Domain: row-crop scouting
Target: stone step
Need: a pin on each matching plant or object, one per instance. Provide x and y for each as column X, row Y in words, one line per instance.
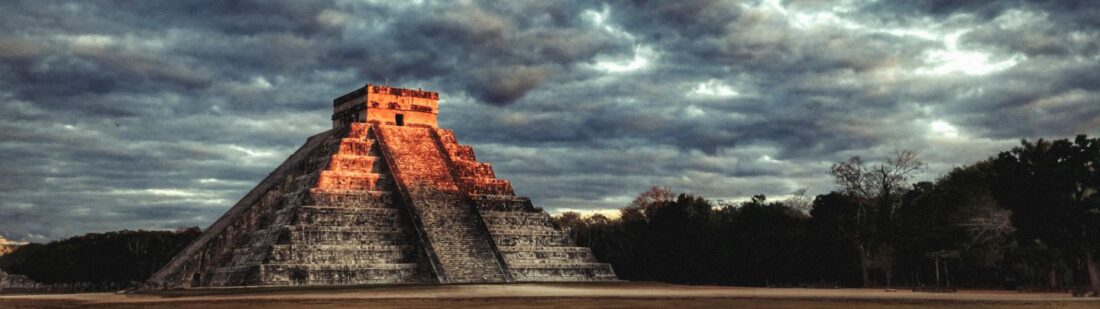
column 346, row 229
column 460, row 247
column 345, row 216
column 572, row 272
column 444, row 222
column 532, row 240
column 307, row 274
column 562, row 249
column 353, row 174
column 233, row 275
column 351, row 247
column 520, row 277
column 468, row 272
column 446, row 136
column 343, row 255
column 352, row 198
column 491, row 203
column 347, row 235
column 351, row 180
column 249, row 256
column 553, row 265
column 487, row 276
column 355, row 146
column 456, row 237
column 470, row 263
column 518, row 229
column 548, row 256
column 517, row 215
column 461, row 152
column 356, row 210
column 358, row 130
column 391, row 266
column 350, row 162
column 444, row 215
column 532, row 231
column 491, row 186
column 473, row 169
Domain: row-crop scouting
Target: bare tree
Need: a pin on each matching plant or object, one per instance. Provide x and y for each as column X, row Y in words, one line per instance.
column 851, row 176
column 799, row 201
column 875, row 189
column 896, row 172
column 879, row 180
column 988, row 223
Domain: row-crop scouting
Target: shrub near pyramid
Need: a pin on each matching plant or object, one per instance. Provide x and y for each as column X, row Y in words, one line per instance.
column 385, row 196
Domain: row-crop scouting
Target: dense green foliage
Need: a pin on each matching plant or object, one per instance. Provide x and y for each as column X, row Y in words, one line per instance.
column 98, row 260
column 1029, row 216
column 1051, row 189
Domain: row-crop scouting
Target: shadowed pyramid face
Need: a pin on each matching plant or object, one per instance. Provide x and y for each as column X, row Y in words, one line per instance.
column 384, row 197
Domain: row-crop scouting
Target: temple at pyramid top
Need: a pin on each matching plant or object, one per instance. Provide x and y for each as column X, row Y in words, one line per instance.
column 384, row 197
column 386, row 105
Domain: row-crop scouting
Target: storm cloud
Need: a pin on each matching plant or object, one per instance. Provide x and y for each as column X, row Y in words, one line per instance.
column 161, row 114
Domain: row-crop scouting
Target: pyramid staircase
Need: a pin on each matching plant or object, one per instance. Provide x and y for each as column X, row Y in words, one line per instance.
column 525, row 237
column 350, row 229
column 378, row 204
column 453, row 229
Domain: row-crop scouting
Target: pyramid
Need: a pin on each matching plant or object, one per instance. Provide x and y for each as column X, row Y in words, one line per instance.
column 384, row 197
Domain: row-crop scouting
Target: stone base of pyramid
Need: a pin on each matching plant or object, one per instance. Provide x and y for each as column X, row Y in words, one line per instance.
column 369, row 203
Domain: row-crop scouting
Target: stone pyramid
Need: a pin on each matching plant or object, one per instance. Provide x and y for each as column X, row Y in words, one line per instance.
column 385, row 196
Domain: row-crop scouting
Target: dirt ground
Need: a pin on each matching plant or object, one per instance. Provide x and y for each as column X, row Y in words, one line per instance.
column 605, row 295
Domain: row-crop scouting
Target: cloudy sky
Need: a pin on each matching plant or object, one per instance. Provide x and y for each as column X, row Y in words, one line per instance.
column 161, row 114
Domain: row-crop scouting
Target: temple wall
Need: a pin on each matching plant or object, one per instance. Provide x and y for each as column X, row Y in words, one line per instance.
column 382, row 104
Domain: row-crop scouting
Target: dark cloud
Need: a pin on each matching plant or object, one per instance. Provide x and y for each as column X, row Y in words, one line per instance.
column 690, row 19
column 161, row 114
column 502, row 85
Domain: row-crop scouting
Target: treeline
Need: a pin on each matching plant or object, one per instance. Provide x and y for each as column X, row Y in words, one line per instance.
column 1028, row 218
column 98, row 261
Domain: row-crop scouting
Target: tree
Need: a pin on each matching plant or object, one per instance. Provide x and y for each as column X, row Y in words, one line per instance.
column 880, row 180
column 768, row 241
column 979, row 227
column 876, row 192
column 799, row 201
column 833, row 236
column 679, row 241
column 1051, row 188
column 646, row 204
column 99, row 260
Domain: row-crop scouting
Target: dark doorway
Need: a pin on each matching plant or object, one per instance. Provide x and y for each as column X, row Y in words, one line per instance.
column 400, row 119
column 299, row 277
column 196, row 280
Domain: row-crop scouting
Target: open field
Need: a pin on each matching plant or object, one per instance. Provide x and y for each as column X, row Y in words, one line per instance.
column 609, row 295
